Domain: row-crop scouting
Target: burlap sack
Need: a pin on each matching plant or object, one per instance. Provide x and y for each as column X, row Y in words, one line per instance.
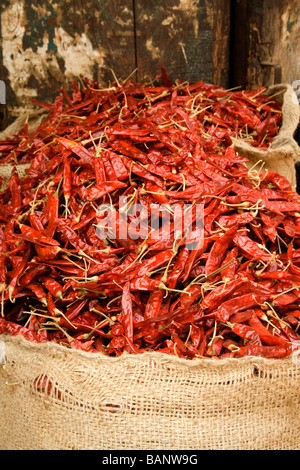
column 34, row 119
column 284, row 151
column 54, row 398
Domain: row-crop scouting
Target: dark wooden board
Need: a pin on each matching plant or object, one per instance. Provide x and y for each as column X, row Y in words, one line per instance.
column 266, row 34
column 190, row 38
column 45, row 44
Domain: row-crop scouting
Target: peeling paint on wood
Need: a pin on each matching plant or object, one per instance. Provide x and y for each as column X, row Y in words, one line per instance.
column 46, row 44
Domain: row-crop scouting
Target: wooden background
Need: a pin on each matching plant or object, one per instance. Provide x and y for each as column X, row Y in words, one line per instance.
column 227, row 42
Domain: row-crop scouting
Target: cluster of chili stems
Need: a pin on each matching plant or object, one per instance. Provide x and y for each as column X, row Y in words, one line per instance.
column 234, row 293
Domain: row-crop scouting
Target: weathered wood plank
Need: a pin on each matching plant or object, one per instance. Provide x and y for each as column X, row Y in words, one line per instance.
column 46, row 43
column 189, row 37
column 273, row 36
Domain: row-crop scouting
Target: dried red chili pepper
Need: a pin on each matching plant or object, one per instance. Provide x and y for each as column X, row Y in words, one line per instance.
column 218, row 250
column 14, row 329
column 169, row 145
column 127, row 314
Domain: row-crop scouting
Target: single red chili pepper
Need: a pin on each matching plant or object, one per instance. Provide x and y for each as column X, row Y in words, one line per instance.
column 250, row 248
column 53, row 286
column 67, row 180
column 196, row 192
column 46, row 253
column 52, row 309
column 229, row 221
column 36, row 222
column 148, row 265
column 215, row 346
column 289, row 332
column 100, row 175
column 276, row 352
column 266, row 337
column 247, row 332
column 72, row 312
column 15, row 329
column 82, row 345
column 270, row 225
column 15, row 189
column 280, row 181
column 141, row 171
column 187, row 350
column 154, row 303
column 18, row 267
column 237, row 304
column 70, row 235
column 178, row 267
column 218, row 250
column 98, row 191
column 35, row 236
column 77, row 148
column 108, row 168
column 124, row 147
column 34, row 270
column 51, row 208
column 164, row 171
column 83, row 220
column 190, row 295
column 232, row 263
column 241, row 317
column 144, row 284
column 194, row 255
column 3, row 260
column 88, row 322
column 120, row 169
column 38, row 291
column 127, row 314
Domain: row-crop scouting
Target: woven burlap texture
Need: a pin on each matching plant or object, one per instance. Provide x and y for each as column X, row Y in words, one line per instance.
column 149, row 401
column 284, row 151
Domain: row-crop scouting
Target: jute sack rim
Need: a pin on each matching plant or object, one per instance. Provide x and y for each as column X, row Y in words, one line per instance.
column 55, row 350
column 284, row 142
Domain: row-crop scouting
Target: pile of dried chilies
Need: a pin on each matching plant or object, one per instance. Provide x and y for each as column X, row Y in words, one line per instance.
column 236, row 293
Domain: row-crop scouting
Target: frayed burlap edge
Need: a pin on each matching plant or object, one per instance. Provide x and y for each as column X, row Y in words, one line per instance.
column 55, row 398
column 284, row 151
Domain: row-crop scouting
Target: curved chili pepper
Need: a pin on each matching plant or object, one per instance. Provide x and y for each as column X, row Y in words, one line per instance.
column 218, row 250
column 100, row 190
column 238, row 304
column 266, row 337
column 14, row 329
column 35, row 236
column 127, row 313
